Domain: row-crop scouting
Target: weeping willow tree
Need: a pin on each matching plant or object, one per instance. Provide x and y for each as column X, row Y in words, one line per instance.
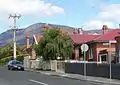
column 54, row 44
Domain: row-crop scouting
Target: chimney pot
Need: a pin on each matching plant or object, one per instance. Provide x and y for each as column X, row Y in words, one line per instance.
column 75, row 31
column 80, row 31
column 27, row 41
column 119, row 25
column 105, row 29
column 46, row 26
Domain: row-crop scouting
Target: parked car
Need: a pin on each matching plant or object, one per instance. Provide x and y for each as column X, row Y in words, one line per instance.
column 15, row 65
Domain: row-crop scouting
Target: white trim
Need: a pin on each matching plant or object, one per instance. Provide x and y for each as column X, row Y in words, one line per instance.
column 105, row 44
column 112, row 41
column 35, row 39
column 103, row 54
column 90, row 53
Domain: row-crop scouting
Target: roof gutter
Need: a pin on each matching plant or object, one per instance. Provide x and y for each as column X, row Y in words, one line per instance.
column 104, row 41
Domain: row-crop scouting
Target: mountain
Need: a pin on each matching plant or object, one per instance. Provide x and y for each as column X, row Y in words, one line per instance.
column 7, row 37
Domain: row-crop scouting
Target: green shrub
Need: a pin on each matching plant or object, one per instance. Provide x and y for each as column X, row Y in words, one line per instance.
column 20, row 58
column 5, row 60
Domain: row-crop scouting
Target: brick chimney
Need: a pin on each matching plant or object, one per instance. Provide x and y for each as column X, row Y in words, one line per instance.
column 27, row 41
column 46, row 27
column 105, row 29
column 119, row 25
column 75, row 31
column 80, row 31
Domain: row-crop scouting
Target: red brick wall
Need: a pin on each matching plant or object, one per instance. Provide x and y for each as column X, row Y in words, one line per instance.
column 100, row 46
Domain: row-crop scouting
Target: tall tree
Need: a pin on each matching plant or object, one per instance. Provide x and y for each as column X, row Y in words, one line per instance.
column 53, row 44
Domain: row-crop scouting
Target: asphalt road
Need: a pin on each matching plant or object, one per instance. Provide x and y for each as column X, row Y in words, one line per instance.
column 32, row 78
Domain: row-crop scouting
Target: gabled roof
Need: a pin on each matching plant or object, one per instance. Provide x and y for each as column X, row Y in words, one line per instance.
column 108, row 36
column 79, row 39
column 38, row 37
column 85, row 38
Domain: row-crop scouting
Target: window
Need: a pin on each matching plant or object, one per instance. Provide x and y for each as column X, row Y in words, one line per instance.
column 103, row 58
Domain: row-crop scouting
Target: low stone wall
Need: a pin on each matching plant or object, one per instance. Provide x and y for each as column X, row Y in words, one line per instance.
column 26, row 62
column 34, row 64
column 60, row 66
column 46, row 65
column 31, row 63
column 54, row 65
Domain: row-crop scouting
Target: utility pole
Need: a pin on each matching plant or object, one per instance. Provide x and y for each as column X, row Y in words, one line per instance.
column 110, row 68
column 14, row 28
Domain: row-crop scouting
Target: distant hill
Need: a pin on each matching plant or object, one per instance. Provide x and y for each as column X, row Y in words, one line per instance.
column 7, row 37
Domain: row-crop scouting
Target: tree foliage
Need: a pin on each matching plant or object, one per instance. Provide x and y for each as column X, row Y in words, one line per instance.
column 8, row 51
column 53, row 44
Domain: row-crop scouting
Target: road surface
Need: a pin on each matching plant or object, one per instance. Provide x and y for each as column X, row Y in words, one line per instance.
column 32, row 78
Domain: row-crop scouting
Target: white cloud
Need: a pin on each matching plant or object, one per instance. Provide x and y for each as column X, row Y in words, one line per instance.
column 110, row 12
column 29, row 7
column 108, row 15
column 97, row 24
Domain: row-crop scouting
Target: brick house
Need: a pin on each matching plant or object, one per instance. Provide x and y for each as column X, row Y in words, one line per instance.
column 99, row 47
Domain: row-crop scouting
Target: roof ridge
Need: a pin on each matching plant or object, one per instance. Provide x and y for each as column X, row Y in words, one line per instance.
column 104, row 34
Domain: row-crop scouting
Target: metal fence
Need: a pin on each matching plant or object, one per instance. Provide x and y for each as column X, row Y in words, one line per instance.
column 94, row 69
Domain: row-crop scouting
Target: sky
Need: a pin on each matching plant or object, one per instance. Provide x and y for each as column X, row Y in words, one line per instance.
column 88, row 14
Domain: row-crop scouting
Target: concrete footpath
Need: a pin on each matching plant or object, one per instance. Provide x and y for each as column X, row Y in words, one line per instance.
column 79, row 77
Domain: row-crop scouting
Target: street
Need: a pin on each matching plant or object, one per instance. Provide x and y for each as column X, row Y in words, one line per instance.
column 32, row 78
